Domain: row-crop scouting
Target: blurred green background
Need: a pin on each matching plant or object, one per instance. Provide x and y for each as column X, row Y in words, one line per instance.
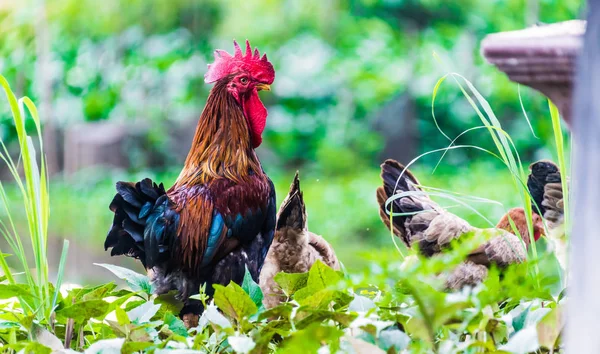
column 119, row 85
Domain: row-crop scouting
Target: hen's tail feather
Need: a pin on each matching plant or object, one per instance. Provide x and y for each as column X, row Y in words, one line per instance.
column 553, row 202
column 293, row 211
column 390, row 174
column 541, row 173
column 397, row 178
column 132, row 205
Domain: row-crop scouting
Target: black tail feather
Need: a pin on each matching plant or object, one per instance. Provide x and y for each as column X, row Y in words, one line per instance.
column 542, row 173
column 397, row 178
column 293, row 211
column 131, row 205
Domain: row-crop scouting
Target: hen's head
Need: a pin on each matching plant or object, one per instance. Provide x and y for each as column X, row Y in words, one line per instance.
column 518, row 217
column 246, row 74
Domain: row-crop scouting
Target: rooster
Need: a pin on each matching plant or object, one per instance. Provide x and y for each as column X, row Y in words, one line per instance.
column 219, row 217
column 545, row 186
column 432, row 228
column 294, row 248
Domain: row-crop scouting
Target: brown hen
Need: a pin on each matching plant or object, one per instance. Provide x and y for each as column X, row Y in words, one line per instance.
column 294, row 248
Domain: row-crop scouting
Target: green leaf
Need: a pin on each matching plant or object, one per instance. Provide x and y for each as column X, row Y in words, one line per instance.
column 121, row 292
column 498, row 329
column 252, row 289
column 36, row 348
column 27, row 321
column 518, row 321
column 291, row 282
column 122, row 317
column 106, row 346
column 137, row 281
column 8, row 325
column 168, row 303
column 361, row 304
column 417, row 328
column 212, row 315
column 282, row 310
column 139, row 333
column 322, row 298
column 317, row 316
column 120, row 301
column 393, row 338
column 135, row 347
column 44, row 337
column 362, row 347
column 8, row 291
column 310, row 339
column 144, row 312
column 99, row 292
column 320, row 277
column 550, row 327
column 130, row 305
column 175, row 324
column 524, row 341
column 233, row 301
column 241, row 344
column 84, row 310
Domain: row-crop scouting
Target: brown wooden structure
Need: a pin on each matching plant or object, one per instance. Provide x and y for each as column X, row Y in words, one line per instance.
column 563, row 62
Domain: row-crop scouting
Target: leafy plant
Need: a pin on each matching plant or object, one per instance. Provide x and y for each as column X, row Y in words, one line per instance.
column 394, row 305
column 37, row 296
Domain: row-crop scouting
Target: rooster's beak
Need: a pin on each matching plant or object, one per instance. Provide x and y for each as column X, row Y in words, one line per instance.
column 265, row 87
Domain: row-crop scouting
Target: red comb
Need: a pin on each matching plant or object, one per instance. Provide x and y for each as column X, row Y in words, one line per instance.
column 225, row 64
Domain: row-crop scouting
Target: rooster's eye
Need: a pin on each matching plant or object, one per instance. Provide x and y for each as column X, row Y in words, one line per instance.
column 244, row 80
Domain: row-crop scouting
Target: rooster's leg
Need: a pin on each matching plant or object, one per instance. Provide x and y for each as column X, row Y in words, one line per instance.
column 190, row 313
column 190, row 320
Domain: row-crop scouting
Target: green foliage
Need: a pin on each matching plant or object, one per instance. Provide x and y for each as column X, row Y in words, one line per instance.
column 234, row 301
column 373, row 52
column 252, row 289
column 337, row 63
column 38, row 296
column 395, row 306
column 136, row 281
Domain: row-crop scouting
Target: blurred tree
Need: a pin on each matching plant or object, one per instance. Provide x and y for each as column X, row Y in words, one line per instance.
column 338, row 63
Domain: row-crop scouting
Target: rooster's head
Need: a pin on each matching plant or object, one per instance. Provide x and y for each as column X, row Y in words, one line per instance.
column 246, row 74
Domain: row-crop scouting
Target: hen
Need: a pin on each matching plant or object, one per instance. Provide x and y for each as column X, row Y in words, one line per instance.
column 294, row 248
column 432, row 228
column 219, row 216
column 545, row 186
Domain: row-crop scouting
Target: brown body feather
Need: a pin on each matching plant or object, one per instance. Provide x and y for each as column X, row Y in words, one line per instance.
column 222, row 161
column 221, row 147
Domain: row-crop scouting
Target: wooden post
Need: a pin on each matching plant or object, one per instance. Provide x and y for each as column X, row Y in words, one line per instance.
column 541, row 57
column 545, row 58
column 584, row 287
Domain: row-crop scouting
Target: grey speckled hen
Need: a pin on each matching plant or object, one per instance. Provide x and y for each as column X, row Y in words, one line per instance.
column 421, row 221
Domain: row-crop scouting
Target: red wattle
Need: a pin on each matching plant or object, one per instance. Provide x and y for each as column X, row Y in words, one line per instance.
column 256, row 114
